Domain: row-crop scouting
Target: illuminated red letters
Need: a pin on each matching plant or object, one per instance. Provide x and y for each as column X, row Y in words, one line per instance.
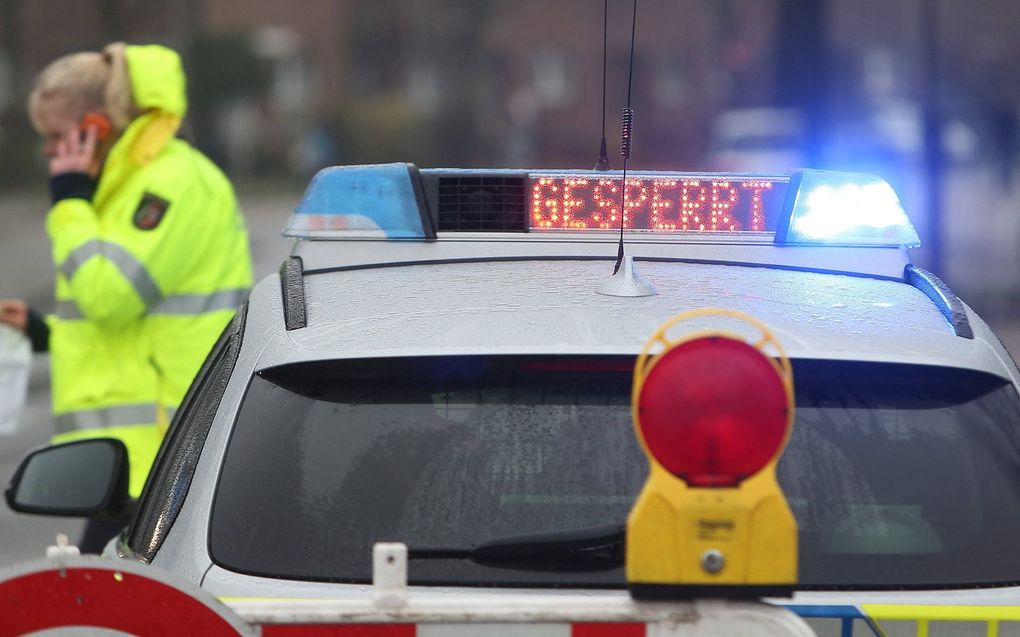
column 724, row 198
column 756, row 188
column 693, row 204
column 692, row 201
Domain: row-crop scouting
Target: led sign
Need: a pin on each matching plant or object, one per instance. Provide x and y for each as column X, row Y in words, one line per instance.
column 657, row 203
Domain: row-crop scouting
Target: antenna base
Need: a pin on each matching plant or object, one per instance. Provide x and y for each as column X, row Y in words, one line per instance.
column 627, row 282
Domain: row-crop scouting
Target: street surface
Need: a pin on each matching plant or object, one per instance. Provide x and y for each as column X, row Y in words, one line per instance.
column 981, row 259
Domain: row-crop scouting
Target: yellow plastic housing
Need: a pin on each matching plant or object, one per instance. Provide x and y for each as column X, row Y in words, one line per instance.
column 679, row 536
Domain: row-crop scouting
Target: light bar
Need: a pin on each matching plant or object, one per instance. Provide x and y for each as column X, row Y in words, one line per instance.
column 658, row 203
column 846, row 209
column 397, row 201
column 370, row 201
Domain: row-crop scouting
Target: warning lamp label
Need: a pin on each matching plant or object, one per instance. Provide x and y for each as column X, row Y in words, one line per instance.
column 714, row 529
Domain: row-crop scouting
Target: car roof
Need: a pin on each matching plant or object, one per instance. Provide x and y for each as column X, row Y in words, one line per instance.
column 390, row 261
column 551, row 305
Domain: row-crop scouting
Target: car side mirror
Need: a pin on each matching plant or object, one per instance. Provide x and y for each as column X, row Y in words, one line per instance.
column 82, row 478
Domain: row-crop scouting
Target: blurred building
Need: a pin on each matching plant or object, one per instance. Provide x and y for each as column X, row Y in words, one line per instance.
column 280, row 84
column 439, row 81
column 281, row 87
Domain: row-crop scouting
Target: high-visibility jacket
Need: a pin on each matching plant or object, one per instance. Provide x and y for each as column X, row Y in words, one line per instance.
column 148, row 274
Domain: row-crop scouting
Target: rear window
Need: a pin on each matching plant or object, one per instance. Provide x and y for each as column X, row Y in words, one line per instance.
column 899, row 476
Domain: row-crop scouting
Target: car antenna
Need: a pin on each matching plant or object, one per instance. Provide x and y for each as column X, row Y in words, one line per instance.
column 626, row 280
column 603, row 162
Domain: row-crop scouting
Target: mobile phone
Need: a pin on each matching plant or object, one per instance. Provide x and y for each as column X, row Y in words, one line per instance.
column 101, row 123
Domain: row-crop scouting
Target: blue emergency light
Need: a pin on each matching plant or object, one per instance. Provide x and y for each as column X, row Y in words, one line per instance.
column 397, row 201
column 847, row 209
column 356, row 202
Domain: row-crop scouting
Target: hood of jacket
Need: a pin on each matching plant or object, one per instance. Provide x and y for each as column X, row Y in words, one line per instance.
column 158, row 87
column 157, row 78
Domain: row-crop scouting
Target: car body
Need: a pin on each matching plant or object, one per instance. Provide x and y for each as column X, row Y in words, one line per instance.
column 435, row 364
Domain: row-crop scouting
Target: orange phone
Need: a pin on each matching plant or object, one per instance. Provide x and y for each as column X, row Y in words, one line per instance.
column 100, row 121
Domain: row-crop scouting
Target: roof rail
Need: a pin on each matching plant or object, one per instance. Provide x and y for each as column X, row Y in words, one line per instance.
column 292, row 289
column 944, row 298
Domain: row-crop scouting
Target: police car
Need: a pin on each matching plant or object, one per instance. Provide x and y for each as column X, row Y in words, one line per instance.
column 446, row 360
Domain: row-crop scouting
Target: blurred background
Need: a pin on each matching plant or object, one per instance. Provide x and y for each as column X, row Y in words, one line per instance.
column 923, row 92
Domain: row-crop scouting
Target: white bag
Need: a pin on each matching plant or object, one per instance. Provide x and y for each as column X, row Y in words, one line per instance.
column 15, row 365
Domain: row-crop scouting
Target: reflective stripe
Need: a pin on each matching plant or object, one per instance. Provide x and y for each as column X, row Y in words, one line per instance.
column 170, row 413
column 907, row 612
column 926, row 615
column 68, row 310
column 199, row 303
column 176, row 305
column 129, row 266
column 119, row 416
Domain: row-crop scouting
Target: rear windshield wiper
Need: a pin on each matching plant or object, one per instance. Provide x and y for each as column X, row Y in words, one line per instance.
column 588, row 549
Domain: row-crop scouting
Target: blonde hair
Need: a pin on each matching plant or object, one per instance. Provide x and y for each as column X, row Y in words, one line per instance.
column 86, row 82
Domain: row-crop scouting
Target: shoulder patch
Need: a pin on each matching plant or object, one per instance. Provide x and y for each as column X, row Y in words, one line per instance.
column 150, row 212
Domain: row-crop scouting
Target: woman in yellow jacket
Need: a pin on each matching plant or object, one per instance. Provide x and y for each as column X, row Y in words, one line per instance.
column 150, row 249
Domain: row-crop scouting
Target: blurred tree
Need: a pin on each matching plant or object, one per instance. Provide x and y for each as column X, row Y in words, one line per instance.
column 438, row 43
column 381, row 129
column 223, row 67
column 468, row 86
column 187, row 20
column 18, row 143
column 802, row 68
column 932, row 109
column 112, row 19
column 735, row 53
column 10, row 19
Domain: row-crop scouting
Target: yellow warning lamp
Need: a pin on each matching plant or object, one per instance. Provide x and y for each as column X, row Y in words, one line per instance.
column 713, row 411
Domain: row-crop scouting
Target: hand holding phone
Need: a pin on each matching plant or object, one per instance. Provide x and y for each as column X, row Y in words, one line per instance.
column 76, row 151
